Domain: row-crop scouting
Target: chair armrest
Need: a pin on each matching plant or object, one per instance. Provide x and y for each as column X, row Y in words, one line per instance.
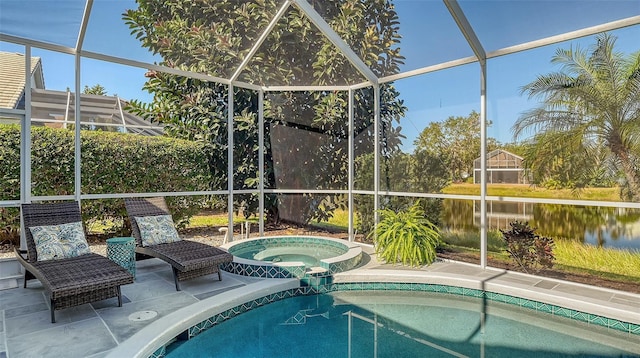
column 22, row 255
column 20, row 252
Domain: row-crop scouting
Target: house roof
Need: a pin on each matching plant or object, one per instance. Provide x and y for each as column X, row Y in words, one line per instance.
column 495, row 152
column 12, row 78
column 56, row 108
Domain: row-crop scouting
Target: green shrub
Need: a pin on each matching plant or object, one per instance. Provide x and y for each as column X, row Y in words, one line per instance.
column 111, row 163
column 406, row 237
column 528, row 249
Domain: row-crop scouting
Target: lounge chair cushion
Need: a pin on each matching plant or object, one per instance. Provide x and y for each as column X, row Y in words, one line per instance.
column 158, row 229
column 54, row 242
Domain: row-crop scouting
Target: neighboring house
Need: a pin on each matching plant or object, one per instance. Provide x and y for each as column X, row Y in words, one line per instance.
column 12, row 81
column 57, row 108
column 502, row 167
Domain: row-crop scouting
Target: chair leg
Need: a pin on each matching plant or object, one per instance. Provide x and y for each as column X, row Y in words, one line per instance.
column 175, row 278
column 53, row 309
column 27, row 276
column 119, row 297
column 219, row 277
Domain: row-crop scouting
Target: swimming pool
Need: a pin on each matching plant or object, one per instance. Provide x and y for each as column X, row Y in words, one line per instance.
column 402, row 324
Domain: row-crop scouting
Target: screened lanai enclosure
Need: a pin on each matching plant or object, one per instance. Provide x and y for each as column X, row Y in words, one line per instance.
column 321, row 113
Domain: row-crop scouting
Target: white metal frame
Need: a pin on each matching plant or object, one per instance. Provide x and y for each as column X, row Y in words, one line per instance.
column 480, row 57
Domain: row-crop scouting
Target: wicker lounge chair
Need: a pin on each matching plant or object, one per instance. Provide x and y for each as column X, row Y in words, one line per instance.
column 188, row 259
column 68, row 281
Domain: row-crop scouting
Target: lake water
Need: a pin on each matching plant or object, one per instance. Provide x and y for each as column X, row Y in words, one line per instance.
column 602, row 226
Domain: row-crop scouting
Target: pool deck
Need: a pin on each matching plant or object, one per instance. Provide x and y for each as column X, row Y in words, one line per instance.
column 102, row 329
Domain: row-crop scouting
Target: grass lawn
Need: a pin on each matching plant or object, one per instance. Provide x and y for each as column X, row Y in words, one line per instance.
column 570, row 256
column 523, row 190
column 222, row 219
column 597, row 260
column 339, row 221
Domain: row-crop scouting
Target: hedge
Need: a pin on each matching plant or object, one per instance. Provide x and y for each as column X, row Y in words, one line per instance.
column 111, row 163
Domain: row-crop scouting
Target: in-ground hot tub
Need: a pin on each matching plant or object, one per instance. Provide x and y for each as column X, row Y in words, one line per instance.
column 291, row 256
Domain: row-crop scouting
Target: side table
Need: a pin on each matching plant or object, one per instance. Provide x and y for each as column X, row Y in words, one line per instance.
column 122, row 250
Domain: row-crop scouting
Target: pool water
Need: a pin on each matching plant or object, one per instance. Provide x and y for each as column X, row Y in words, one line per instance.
column 310, row 256
column 309, row 261
column 402, row 324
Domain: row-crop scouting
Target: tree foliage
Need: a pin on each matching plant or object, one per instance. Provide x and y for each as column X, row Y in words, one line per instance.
column 111, row 163
column 558, row 160
column 592, row 102
column 455, row 143
column 96, row 89
column 214, row 37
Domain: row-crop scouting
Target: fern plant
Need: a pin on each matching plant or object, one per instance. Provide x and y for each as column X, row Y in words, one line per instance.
column 406, row 237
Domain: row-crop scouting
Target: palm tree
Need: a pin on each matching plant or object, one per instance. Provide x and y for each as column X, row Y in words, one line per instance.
column 594, row 100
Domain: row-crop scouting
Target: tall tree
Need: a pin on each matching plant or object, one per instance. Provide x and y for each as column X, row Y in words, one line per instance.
column 553, row 161
column 215, row 36
column 95, row 89
column 594, row 100
column 454, row 142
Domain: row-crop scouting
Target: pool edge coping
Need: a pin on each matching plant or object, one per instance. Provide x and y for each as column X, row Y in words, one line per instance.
column 158, row 333
column 157, row 336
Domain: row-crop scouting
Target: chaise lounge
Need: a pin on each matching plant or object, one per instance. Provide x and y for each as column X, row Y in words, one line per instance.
column 59, row 256
column 155, row 235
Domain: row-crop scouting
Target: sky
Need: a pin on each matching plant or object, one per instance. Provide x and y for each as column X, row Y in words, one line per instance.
column 429, row 36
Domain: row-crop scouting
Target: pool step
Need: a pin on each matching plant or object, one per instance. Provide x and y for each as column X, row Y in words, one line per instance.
column 316, row 276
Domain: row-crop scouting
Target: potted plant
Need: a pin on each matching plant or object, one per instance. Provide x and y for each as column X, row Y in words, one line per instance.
column 406, row 237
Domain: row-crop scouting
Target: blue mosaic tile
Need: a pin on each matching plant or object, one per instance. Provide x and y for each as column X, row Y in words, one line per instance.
column 599, row 320
column 472, row 292
column 159, row 353
column 543, row 307
column 369, row 286
column 512, row 300
column 528, row 304
column 618, row 325
column 581, row 316
column 490, row 295
column 563, row 312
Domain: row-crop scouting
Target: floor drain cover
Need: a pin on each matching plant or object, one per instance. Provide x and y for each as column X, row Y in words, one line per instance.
column 142, row 316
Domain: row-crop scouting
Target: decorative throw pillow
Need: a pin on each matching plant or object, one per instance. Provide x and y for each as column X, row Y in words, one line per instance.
column 156, row 230
column 62, row 241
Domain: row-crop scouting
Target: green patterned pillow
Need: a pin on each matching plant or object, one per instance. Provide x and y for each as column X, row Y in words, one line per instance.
column 62, row 241
column 156, row 230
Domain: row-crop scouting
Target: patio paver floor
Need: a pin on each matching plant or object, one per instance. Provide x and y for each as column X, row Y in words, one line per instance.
column 94, row 330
